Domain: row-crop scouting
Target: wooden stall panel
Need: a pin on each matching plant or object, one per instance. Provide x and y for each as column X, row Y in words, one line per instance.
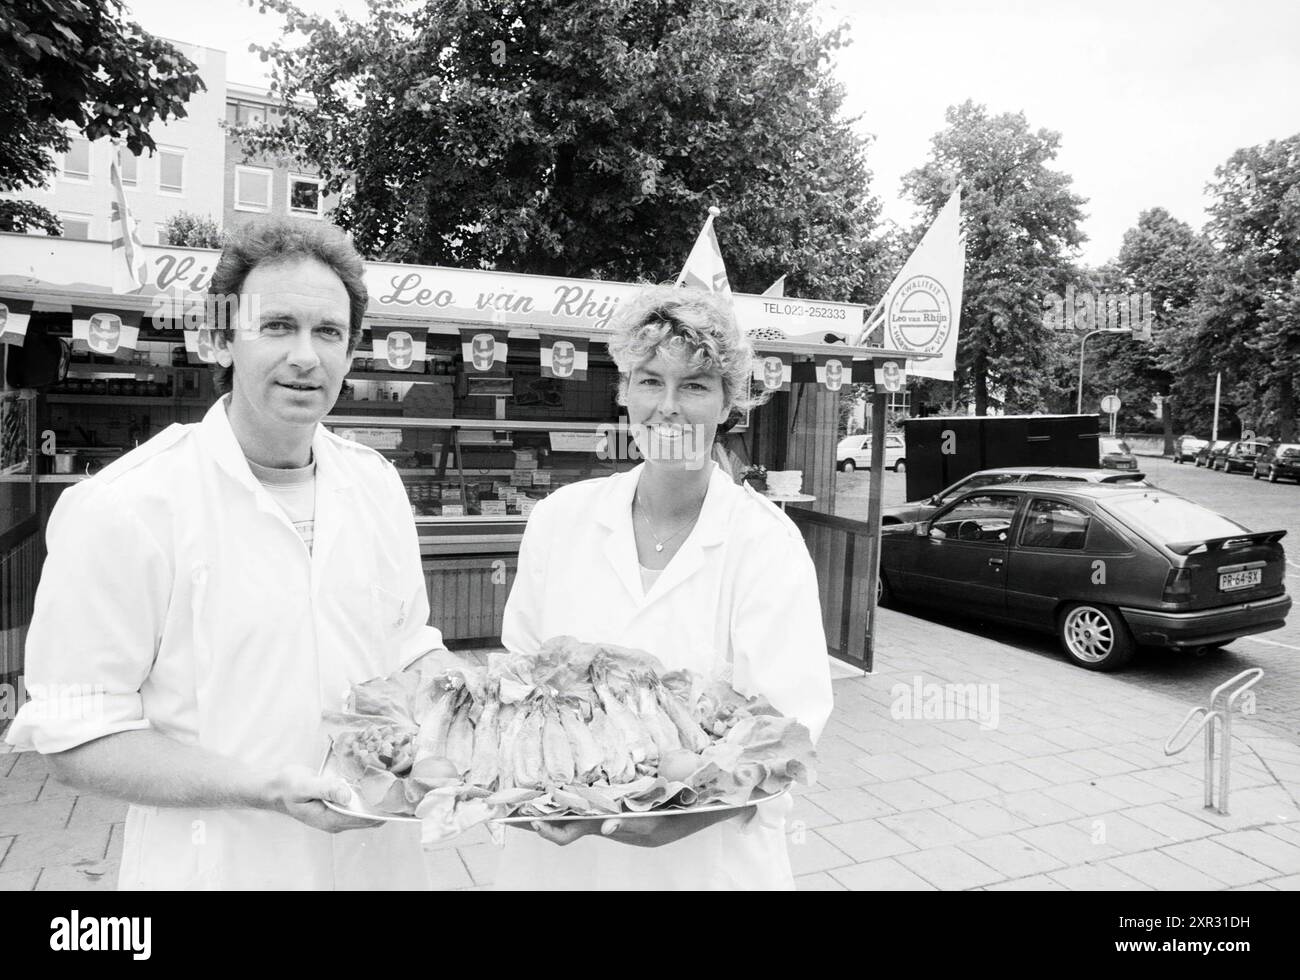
column 467, row 596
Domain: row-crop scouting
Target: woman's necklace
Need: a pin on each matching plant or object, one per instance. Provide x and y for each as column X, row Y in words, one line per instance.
column 659, row 543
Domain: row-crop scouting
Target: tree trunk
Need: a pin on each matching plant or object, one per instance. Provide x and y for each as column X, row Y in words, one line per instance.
column 1286, row 409
column 1167, row 416
column 981, row 387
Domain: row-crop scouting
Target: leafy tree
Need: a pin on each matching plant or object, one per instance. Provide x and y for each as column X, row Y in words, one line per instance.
column 77, row 63
column 1166, row 258
column 583, row 139
column 1021, row 222
column 1246, row 319
column 185, row 230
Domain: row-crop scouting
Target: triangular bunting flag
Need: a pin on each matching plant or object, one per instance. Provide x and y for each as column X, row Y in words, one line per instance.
column 484, row 349
column 774, row 371
column 891, row 376
column 563, row 357
column 400, row 348
column 199, row 346
column 833, row 372
column 15, row 314
column 114, row 333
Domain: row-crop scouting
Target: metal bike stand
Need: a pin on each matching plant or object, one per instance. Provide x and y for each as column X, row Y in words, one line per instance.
column 1208, row 717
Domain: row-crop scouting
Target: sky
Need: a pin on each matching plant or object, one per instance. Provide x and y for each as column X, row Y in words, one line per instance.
column 1149, row 96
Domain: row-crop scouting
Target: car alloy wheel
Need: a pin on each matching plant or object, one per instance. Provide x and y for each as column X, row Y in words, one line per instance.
column 1095, row 637
column 848, row 466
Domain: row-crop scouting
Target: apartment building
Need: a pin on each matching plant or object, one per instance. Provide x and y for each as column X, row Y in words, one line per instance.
column 198, row 167
column 183, row 174
column 257, row 185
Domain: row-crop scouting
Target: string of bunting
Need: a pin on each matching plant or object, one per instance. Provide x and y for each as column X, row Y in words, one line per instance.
column 104, row 330
column 400, row 348
column 563, row 357
column 15, row 314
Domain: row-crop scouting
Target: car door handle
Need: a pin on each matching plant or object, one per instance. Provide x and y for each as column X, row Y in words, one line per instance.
column 996, row 562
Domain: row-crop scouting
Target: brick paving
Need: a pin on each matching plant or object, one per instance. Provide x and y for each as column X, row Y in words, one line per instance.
column 1067, row 788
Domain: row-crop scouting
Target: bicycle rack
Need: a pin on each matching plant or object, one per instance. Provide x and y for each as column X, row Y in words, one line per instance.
column 1208, row 718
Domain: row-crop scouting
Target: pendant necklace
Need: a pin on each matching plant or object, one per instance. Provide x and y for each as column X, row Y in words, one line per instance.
column 659, row 544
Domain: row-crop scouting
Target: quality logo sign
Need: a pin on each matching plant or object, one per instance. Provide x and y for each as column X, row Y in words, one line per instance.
column 919, row 317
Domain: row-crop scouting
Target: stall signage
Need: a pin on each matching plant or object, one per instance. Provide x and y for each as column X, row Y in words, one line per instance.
column 501, row 299
column 374, row 438
column 575, row 442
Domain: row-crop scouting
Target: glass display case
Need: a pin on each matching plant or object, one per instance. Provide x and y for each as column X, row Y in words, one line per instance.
column 473, row 482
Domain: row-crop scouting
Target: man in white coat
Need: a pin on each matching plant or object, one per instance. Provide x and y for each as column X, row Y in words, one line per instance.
column 207, row 596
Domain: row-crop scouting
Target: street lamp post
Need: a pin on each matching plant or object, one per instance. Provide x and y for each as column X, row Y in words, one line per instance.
column 1082, row 343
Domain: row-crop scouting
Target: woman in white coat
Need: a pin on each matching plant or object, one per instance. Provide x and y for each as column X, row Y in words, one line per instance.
column 676, row 559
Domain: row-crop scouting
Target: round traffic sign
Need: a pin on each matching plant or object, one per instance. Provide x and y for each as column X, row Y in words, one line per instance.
column 1110, row 404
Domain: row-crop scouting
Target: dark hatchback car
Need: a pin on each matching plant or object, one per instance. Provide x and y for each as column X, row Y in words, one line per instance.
column 1106, row 568
column 1241, row 456
column 919, row 510
column 1280, row 462
column 1115, row 454
column 1209, row 456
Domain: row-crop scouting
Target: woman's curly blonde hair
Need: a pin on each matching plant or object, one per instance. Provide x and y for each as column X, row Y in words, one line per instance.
column 697, row 324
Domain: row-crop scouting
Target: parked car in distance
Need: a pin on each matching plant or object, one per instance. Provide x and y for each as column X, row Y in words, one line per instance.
column 1115, row 454
column 1240, row 456
column 1209, row 458
column 1105, row 567
column 1186, row 448
column 854, row 453
column 919, row 510
column 1279, row 462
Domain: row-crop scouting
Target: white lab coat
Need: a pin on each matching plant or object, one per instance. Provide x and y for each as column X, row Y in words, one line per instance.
column 178, row 592
column 740, row 594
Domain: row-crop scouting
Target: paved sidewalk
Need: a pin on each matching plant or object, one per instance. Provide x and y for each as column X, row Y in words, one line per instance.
column 1043, row 776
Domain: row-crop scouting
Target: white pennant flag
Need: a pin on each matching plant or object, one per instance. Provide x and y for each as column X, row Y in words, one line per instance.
column 704, row 268
column 922, row 307
column 129, row 270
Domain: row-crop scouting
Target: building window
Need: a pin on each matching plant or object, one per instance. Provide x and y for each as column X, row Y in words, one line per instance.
column 130, row 164
column 252, row 189
column 75, row 226
column 171, row 171
column 241, row 114
column 305, row 196
column 76, row 162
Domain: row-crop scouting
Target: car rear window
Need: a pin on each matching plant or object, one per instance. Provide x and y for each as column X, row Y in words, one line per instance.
column 1170, row 519
column 1054, row 524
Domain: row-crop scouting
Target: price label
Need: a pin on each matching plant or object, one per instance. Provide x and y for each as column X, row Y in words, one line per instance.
column 453, row 510
column 492, row 506
column 541, row 478
column 521, row 478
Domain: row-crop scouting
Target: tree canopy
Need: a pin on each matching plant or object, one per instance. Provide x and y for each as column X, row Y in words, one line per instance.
column 583, row 139
column 1022, row 223
column 78, row 64
column 1247, row 318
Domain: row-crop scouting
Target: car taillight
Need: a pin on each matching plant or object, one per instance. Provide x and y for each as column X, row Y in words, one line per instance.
column 1178, row 585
